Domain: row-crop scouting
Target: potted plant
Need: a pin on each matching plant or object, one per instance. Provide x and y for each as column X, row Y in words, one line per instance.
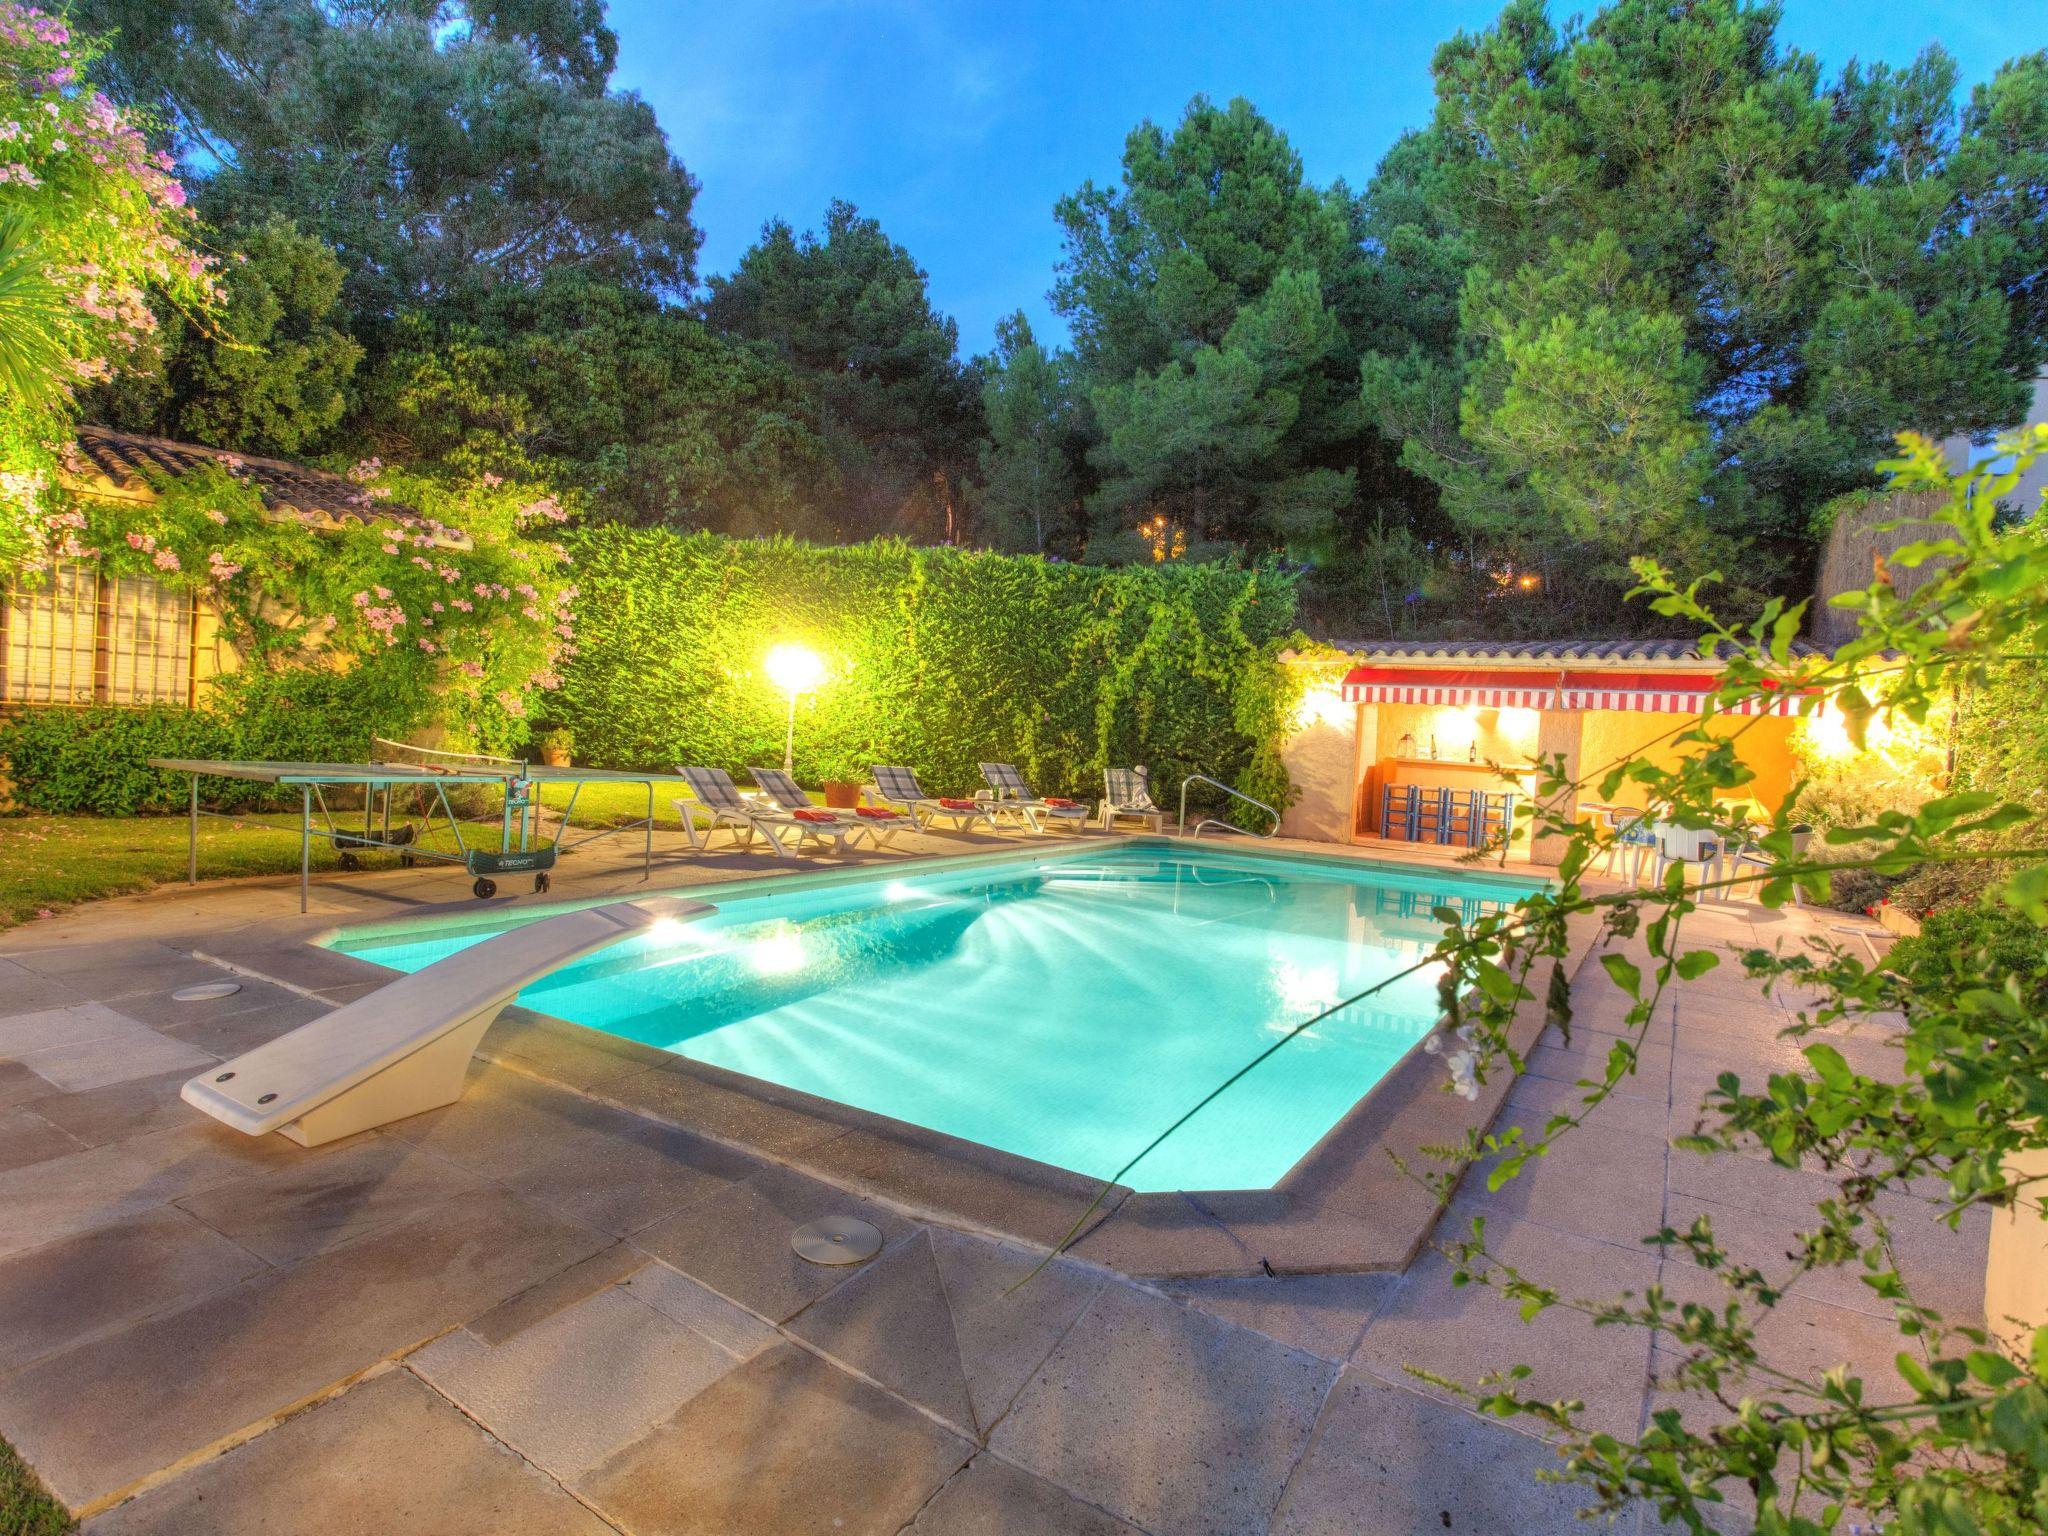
column 556, row 745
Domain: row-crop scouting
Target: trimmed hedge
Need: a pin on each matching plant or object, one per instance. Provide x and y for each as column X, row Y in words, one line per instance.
column 95, row 760
column 938, row 658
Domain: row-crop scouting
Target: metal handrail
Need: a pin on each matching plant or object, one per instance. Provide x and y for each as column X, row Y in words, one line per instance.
column 1210, row 821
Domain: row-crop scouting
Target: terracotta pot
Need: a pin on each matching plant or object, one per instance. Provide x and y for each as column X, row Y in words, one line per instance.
column 841, row 795
column 554, row 757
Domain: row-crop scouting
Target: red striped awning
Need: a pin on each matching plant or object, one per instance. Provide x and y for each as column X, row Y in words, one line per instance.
column 1662, row 692
column 1486, row 687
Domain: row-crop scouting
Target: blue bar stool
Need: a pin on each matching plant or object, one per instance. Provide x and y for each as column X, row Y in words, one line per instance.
column 1463, row 816
column 1397, row 811
column 1432, row 815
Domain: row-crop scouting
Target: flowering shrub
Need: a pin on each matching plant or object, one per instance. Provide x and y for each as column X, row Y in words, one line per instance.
column 453, row 582
column 98, row 218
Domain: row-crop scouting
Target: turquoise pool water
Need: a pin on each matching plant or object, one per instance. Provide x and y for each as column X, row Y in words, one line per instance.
column 1067, row 1010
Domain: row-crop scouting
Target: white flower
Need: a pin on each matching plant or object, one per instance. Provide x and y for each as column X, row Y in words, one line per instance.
column 1464, row 1076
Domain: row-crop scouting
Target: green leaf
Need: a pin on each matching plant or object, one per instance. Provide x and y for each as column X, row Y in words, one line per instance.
column 1626, row 973
column 1696, row 963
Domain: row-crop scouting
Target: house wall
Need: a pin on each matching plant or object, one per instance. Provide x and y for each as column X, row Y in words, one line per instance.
column 1322, row 758
column 1613, row 735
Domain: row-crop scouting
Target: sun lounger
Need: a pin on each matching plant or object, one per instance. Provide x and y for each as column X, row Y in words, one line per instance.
column 879, row 823
column 784, row 830
column 1012, row 797
column 405, row 1048
column 897, row 788
column 1128, row 792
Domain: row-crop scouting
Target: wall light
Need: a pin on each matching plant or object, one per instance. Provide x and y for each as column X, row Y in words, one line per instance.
column 795, row 669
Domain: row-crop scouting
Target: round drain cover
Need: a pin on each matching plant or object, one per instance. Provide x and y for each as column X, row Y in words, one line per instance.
column 206, row 992
column 837, row 1240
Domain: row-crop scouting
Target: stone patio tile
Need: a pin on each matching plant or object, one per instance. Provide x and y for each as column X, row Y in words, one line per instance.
column 1533, row 1100
column 621, row 1181
column 118, row 1111
column 229, row 1033
column 1008, row 1313
column 976, row 1186
column 568, row 1392
column 737, row 1242
column 503, row 1122
column 160, row 1008
column 387, row 1456
column 205, row 1154
column 118, row 968
column 1944, row 1269
column 743, row 1118
column 559, row 1052
column 1167, row 1417
column 993, row 1498
column 733, row 1329
column 62, row 1195
column 1163, row 1234
column 96, row 1419
column 1597, row 1183
column 891, row 1323
column 18, row 1085
column 121, row 1058
column 25, row 991
column 26, row 1137
column 558, row 1292
column 1806, row 1338
column 786, row 1444
column 1586, row 1058
column 257, row 950
column 1321, row 1315
column 67, row 1292
column 46, row 1028
column 305, row 1207
column 1387, row 1459
column 1466, row 1332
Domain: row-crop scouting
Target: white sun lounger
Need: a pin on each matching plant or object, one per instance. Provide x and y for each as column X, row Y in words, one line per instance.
column 1013, row 797
column 716, row 793
column 405, row 1048
column 898, row 789
column 881, row 826
column 1129, row 793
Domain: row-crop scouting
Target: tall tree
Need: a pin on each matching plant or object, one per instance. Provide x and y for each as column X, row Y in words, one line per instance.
column 849, row 310
column 1217, row 301
column 269, row 372
column 439, row 148
column 637, row 404
column 1703, row 286
column 1030, row 480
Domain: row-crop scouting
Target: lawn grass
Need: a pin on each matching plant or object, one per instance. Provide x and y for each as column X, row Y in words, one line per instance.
column 48, row 863
column 25, row 1509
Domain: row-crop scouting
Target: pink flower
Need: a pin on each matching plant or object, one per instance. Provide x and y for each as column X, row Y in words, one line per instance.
column 214, row 514
column 167, row 560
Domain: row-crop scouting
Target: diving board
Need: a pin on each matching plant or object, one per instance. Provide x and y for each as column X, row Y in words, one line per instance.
column 405, row 1048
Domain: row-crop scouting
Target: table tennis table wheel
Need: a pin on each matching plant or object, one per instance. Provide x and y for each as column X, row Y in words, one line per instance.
column 485, row 889
column 541, row 881
column 350, row 861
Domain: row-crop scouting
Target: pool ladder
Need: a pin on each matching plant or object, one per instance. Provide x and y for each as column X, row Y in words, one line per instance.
column 1210, row 821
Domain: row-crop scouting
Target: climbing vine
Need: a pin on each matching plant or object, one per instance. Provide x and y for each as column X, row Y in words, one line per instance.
column 938, row 658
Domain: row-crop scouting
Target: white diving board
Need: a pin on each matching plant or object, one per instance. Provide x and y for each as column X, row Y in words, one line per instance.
column 405, row 1048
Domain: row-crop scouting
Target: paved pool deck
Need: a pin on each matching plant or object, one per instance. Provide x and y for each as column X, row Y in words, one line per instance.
column 544, row 1309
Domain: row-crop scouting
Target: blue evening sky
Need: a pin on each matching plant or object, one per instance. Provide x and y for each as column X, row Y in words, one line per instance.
column 958, row 123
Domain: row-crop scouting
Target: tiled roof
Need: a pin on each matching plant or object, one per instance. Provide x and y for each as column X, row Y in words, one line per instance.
column 1614, row 653
column 287, row 487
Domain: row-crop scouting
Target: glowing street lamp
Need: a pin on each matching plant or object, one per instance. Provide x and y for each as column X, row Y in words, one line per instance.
column 794, row 669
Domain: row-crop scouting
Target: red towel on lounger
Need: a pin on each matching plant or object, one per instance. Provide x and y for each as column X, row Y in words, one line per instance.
column 878, row 813
column 1061, row 803
column 814, row 816
column 961, row 805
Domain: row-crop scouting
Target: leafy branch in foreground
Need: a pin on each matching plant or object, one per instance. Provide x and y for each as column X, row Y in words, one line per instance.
column 1963, row 1116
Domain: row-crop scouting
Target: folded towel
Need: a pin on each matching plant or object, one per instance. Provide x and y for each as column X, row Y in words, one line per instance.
column 814, row 816
column 1061, row 803
column 961, row 805
column 878, row 813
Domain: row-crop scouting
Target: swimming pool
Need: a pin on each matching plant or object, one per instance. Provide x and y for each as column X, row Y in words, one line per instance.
column 1068, row 1008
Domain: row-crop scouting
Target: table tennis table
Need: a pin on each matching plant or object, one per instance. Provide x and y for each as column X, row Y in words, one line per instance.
column 520, row 847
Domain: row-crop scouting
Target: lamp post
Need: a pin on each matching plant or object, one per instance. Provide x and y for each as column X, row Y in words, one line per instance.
column 794, row 669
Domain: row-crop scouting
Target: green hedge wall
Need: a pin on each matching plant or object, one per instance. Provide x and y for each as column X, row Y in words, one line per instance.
column 938, row 658
column 96, row 760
